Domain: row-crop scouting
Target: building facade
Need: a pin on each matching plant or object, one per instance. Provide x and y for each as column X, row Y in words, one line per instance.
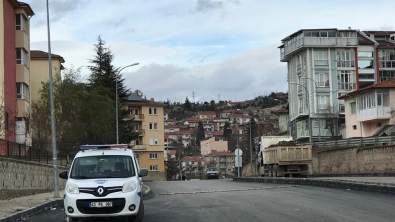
column 15, row 70
column 223, row 161
column 325, row 64
column 147, row 116
column 368, row 110
column 210, row 145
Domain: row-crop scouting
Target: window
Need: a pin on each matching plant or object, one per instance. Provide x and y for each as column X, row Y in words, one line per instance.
column 386, row 75
column 301, row 105
column 151, row 126
column 153, row 156
column 155, row 113
column 322, row 79
column 365, row 54
column 322, row 102
column 153, row 167
column 21, row 56
column 151, row 141
column 320, row 58
column 354, row 127
column 387, row 58
column 155, row 126
column 156, row 141
column 365, row 64
column 150, row 111
column 22, row 91
column 344, row 59
column 20, row 22
column 353, row 108
column 383, row 98
column 346, row 80
column 378, row 124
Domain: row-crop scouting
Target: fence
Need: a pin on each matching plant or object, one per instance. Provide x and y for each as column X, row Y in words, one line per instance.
column 375, row 141
column 22, row 152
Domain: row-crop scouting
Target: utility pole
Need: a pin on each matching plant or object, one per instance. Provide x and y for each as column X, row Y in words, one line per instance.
column 219, row 97
column 251, row 149
column 53, row 129
column 193, row 96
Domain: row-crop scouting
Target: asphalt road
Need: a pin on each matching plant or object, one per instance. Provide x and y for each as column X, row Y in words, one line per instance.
column 179, row 201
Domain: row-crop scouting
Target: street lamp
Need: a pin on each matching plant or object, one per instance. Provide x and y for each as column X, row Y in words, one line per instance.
column 116, row 96
column 318, row 109
column 308, row 100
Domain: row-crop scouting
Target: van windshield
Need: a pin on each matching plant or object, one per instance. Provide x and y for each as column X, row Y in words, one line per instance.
column 91, row 167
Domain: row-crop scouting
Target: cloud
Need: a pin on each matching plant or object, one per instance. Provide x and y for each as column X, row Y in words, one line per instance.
column 254, row 71
column 205, row 5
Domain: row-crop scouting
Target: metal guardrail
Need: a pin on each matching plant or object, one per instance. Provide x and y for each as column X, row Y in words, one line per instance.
column 18, row 151
column 382, row 140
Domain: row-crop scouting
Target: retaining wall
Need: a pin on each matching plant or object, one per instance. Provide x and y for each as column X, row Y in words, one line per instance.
column 20, row 174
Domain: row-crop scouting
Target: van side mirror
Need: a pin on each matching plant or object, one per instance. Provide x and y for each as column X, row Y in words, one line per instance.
column 64, row 175
column 143, row 172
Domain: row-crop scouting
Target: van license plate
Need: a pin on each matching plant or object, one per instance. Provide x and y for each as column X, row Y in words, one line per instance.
column 100, row 204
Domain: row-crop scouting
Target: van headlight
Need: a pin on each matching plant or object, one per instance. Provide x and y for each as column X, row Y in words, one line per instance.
column 72, row 188
column 129, row 187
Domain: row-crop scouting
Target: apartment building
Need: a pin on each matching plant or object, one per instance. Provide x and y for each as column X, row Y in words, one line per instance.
column 223, row 161
column 207, row 114
column 147, row 116
column 325, row 64
column 209, row 145
column 14, row 70
column 39, row 72
column 368, row 110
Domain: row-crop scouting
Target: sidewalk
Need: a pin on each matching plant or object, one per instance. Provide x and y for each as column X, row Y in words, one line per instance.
column 370, row 180
column 14, row 205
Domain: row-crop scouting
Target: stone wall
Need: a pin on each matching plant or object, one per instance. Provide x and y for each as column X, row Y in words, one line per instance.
column 20, row 174
column 246, row 170
column 355, row 160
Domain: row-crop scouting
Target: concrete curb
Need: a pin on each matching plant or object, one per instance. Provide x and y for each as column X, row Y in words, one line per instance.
column 352, row 185
column 22, row 215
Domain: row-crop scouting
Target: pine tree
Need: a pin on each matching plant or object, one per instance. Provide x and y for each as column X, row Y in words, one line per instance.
column 187, row 104
column 227, row 130
column 200, row 134
column 103, row 79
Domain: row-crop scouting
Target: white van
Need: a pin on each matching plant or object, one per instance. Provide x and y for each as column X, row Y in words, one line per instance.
column 104, row 181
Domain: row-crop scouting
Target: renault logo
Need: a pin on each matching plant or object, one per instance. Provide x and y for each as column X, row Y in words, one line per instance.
column 100, row 191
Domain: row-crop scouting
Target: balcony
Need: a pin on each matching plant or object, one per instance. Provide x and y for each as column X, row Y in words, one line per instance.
column 141, row 132
column 341, row 108
column 378, row 112
column 292, row 46
column 139, row 147
column 321, row 62
column 387, row 64
column 345, row 64
column 222, row 160
column 346, row 86
column 135, row 117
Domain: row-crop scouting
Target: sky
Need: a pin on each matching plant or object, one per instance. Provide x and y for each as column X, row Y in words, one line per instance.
column 218, row 49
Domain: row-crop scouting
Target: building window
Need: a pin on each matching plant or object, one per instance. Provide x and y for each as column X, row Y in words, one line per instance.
column 322, row 79
column 320, row 58
column 22, row 91
column 155, row 126
column 354, row 127
column 156, row 141
column 353, row 108
column 153, row 167
column 323, row 102
column 155, row 111
column 301, row 105
column 387, row 58
column 344, row 59
column 365, row 64
column 346, row 80
column 151, row 126
column 153, row 156
column 150, row 111
column 151, row 141
column 20, row 22
column 21, row 56
column 365, row 54
column 6, row 124
column 386, row 75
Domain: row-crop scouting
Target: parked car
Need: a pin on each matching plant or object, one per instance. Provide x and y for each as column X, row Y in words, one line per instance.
column 212, row 172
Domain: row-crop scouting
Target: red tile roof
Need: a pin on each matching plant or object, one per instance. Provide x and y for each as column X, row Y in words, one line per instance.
column 206, row 113
column 221, row 154
column 179, row 133
column 379, row 33
column 170, row 120
column 363, row 40
column 239, row 116
column 386, row 84
column 282, row 110
column 144, row 102
column 191, row 158
column 193, row 120
column 172, row 127
column 232, row 111
column 37, row 54
column 218, row 133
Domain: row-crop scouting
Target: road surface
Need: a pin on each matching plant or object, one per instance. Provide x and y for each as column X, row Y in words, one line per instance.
column 225, row 200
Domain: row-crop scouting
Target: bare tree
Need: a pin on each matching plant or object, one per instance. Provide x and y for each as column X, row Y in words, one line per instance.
column 330, row 118
column 41, row 125
column 7, row 122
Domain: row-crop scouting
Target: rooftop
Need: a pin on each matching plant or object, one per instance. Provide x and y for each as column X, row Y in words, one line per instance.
column 221, row 154
column 382, row 85
column 38, row 54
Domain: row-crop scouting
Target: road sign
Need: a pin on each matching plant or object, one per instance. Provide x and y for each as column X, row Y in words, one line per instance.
column 238, row 152
column 238, row 161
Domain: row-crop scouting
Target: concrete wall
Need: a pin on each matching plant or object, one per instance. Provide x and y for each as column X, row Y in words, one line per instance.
column 357, row 160
column 155, row 176
column 246, row 171
column 19, row 174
